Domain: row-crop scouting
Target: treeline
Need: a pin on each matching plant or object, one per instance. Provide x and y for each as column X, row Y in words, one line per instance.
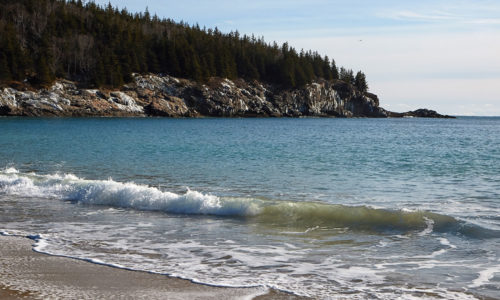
column 102, row 46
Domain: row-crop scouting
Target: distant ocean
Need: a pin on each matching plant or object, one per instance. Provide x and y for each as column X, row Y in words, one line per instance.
column 328, row 208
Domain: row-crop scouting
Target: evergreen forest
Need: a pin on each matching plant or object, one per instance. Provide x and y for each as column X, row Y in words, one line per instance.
column 96, row 46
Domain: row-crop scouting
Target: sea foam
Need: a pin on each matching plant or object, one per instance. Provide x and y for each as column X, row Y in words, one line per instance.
column 118, row 194
column 299, row 215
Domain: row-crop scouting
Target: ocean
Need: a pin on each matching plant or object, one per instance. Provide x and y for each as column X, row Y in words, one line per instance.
column 326, row 208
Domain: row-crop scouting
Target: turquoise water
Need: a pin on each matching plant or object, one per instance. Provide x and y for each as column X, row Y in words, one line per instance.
column 320, row 207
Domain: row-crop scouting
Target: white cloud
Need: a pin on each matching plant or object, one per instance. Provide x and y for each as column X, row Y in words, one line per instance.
column 412, row 15
column 457, row 14
column 485, row 21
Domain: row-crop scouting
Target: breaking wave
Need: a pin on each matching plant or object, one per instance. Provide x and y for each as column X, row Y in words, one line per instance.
column 117, row 194
column 274, row 213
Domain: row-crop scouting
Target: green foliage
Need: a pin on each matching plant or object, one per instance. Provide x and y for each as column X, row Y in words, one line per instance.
column 43, row 74
column 12, row 57
column 360, row 82
column 4, row 68
column 346, row 75
column 102, row 46
column 335, row 71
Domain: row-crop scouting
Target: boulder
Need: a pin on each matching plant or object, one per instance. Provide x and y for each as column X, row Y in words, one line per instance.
column 170, row 106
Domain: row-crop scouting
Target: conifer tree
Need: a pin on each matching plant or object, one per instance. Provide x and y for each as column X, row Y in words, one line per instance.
column 346, row 75
column 98, row 74
column 43, row 74
column 360, row 82
column 327, row 71
column 4, row 68
column 300, row 76
column 335, row 71
column 99, row 45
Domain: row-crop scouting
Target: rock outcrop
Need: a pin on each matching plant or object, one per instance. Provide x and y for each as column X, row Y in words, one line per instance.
column 419, row 113
column 166, row 96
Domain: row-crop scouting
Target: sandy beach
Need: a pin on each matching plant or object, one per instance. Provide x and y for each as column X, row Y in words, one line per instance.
column 27, row 274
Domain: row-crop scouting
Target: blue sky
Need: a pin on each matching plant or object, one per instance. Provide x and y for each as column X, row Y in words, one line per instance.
column 440, row 54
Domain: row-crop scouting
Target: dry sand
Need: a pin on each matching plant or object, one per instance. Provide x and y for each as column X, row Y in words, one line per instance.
column 30, row 275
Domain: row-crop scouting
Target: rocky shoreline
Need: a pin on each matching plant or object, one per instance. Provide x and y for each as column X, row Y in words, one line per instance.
column 167, row 96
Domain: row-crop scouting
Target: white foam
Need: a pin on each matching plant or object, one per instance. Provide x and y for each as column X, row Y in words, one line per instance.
column 485, row 276
column 41, row 242
column 382, row 244
column 429, row 228
column 311, row 229
column 438, row 252
column 13, row 232
column 10, row 171
column 442, row 241
column 446, row 242
column 124, row 195
column 408, row 210
column 202, row 262
column 358, row 272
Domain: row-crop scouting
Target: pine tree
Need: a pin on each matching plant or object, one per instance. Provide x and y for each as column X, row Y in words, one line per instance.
column 300, row 76
column 360, row 82
column 99, row 74
column 335, row 70
column 327, row 71
column 346, row 75
column 43, row 74
column 99, row 45
column 4, row 68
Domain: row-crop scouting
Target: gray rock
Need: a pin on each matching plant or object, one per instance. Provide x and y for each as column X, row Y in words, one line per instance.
column 167, row 96
column 419, row 113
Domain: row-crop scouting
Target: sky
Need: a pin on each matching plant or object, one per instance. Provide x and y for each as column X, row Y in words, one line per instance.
column 437, row 54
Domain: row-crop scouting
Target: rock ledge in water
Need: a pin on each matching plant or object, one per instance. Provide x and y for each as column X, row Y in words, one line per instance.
column 167, row 96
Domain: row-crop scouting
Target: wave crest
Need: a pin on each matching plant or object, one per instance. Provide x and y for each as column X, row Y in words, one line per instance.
column 119, row 194
column 301, row 215
column 309, row 214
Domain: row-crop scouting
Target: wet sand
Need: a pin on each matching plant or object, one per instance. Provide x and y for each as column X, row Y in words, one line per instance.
column 27, row 274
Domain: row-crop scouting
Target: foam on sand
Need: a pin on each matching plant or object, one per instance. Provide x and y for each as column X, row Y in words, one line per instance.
column 46, row 276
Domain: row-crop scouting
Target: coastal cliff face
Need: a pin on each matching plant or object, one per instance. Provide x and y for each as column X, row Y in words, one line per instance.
column 166, row 96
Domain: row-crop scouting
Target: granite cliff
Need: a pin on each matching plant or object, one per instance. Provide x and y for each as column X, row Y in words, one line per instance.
column 167, row 96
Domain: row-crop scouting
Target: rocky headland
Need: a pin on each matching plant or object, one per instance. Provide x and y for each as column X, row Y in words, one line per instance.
column 167, row 96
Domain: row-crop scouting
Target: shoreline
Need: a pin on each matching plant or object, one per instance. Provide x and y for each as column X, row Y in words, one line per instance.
column 25, row 273
column 157, row 95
